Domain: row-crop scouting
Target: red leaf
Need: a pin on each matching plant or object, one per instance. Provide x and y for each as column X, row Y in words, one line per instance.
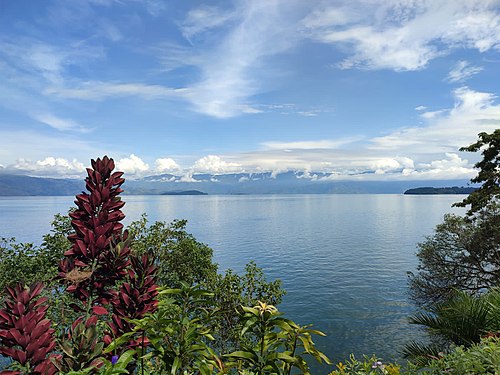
column 99, row 310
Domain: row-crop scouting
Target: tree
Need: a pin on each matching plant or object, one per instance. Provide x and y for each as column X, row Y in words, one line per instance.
column 179, row 256
column 460, row 255
column 460, row 262
column 463, row 253
column 489, row 172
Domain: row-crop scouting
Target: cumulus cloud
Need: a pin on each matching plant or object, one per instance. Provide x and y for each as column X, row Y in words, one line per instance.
column 424, row 151
column 166, row 165
column 33, row 145
column 403, row 35
column 188, row 177
column 133, row 165
column 214, row 164
column 452, row 167
column 50, row 166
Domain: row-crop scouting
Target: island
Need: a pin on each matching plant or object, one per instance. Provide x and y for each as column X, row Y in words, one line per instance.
column 441, row 190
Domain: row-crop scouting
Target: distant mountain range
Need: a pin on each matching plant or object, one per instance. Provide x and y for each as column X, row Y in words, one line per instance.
column 236, row 183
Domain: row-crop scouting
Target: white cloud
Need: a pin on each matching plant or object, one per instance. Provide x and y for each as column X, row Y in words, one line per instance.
column 463, row 71
column 229, row 71
column 166, row 165
column 95, row 90
column 59, row 123
column 427, row 151
column 404, row 35
column 133, row 165
column 433, row 114
column 322, row 144
column 32, row 58
column 188, row 177
column 420, row 108
column 36, row 145
column 473, row 112
column 50, row 166
column 214, row 164
column 453, row 167
column 204, row 18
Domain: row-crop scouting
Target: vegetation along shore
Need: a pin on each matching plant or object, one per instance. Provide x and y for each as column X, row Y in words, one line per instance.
column 99, row 298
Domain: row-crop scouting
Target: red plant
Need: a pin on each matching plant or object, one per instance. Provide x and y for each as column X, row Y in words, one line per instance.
column 135, row 298
column 25, row 334
column 99, row 253
column 80, row 346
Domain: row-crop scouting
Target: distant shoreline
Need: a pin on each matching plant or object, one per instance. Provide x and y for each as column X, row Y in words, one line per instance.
column 440, row 190
column 184, row 192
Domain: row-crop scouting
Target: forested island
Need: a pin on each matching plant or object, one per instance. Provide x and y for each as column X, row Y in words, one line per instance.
column 440, row 190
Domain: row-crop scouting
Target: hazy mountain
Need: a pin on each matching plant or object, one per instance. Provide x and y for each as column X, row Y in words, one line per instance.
column 24, row 185
column 236, row 183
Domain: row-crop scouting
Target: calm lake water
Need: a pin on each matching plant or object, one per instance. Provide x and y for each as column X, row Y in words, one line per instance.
column 342, row 258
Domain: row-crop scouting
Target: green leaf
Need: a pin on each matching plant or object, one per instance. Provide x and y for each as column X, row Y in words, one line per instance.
column 243, row 355
column 176, row 365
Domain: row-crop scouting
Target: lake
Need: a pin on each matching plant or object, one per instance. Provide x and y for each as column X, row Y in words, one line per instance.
column 343, row 259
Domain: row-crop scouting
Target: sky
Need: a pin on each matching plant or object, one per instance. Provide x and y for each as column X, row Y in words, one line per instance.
column 362, row 89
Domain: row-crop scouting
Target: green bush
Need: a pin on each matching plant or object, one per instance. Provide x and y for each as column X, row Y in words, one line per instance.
column 482, row 358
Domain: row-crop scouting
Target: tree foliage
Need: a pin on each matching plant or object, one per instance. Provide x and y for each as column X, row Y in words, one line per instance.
column 459, row 263
column 461, row 320
column 489, row 172
column 179, row 256
column 461, row 254
column 111, row 281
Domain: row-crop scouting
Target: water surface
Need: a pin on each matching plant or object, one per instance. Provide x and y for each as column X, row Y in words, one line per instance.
column 343, row 259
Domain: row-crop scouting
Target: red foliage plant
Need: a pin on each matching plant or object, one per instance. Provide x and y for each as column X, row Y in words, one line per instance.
column 136, row 297
column 99, row 253
column 99, row 257
column 25, row 334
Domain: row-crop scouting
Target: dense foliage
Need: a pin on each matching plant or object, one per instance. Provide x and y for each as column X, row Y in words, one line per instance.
column 112, row 316
column 150, row 299
column 489, row 172
column 461, row 254
column 459, row 267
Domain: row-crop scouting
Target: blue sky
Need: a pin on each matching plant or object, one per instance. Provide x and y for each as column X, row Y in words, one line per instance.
column 364, row 89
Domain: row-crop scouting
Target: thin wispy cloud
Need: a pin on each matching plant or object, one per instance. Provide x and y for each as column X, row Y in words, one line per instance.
column 462, row 71
column 308, row 145
column 228, row 74
column 104, row 90
column 59, row 123
column 204, row 18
